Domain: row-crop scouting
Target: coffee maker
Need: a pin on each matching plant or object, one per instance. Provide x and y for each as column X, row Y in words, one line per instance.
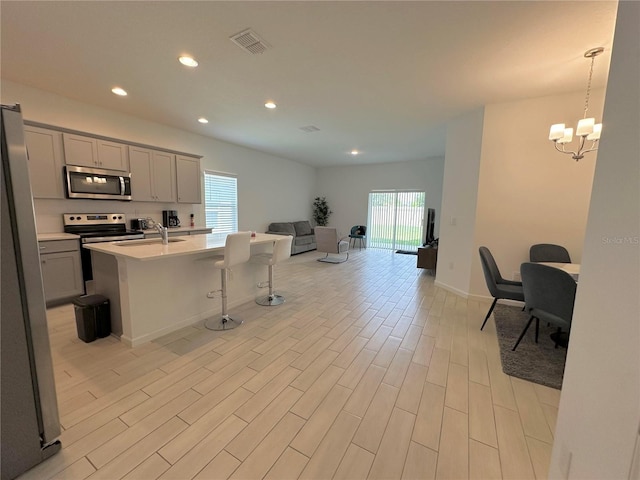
column 170, row 218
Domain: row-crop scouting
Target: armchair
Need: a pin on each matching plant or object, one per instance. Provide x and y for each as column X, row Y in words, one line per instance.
column 328, row 242
column 358, row 232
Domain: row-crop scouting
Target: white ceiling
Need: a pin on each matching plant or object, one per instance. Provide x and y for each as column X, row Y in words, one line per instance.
column 382, row 77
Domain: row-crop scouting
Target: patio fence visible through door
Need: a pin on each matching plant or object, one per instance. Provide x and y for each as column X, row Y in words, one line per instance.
column 395, row 220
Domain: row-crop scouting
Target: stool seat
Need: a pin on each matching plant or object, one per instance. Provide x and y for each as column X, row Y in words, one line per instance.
column 237, row 250
column 281, row 251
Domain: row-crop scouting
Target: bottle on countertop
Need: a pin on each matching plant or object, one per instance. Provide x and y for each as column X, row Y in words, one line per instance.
column 193, row 220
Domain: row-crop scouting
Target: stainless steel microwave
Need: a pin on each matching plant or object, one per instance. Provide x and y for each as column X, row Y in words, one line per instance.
column 83, row 182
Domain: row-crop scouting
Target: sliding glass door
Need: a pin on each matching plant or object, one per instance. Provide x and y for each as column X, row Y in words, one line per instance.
column 395, row 220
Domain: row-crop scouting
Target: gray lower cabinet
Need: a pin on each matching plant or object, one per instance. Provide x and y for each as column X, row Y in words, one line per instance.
column 61, row 269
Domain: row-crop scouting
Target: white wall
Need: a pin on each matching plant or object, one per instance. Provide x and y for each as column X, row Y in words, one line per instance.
column 347, row 188
column 527, row 192
column 600, row 405
column 459, row 197
column 269, row 188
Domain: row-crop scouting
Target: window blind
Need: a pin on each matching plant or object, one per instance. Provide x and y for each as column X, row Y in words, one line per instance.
column 221, row 202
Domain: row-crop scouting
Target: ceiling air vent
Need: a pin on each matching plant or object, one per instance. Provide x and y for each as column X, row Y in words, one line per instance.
column 249, row 41
column 310, row 129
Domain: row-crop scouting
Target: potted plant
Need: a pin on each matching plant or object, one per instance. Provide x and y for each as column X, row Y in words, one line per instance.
column 321, row 211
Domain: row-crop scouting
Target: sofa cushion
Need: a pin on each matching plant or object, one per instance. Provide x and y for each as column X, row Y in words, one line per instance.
column 306, row 240
column 302, row 228
column 284, row 227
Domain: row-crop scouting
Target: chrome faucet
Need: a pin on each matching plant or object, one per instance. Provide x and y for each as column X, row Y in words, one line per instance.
column 162, row 230
column 164, row 233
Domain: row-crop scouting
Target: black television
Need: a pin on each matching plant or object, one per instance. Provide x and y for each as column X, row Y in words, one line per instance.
column 431, row 224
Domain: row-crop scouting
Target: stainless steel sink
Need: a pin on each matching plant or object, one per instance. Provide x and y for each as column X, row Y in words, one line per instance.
column 154, row 241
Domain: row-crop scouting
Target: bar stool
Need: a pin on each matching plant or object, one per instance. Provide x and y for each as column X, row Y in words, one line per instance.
column 236, row 251
column 281, row 251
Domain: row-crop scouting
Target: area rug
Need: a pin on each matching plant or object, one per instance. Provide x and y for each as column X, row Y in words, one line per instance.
column 536, row 362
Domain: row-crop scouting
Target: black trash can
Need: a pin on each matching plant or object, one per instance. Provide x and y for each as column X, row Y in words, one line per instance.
column 93, row 317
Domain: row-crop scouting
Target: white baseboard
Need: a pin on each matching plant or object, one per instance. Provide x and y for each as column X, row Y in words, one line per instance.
column 477, row 298
column 451, row 289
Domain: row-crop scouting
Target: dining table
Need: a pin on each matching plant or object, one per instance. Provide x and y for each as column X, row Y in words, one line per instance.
column 572, row 269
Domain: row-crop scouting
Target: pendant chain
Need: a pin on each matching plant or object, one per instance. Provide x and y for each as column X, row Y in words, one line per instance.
column 586, row 99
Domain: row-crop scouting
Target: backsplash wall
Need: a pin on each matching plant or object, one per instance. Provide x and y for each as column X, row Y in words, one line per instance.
column 49, row 212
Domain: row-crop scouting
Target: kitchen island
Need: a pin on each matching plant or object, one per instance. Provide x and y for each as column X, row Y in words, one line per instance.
column 155, row 289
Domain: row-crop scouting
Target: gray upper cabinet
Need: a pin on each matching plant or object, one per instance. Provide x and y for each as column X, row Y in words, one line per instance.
column 188, row 179
column 92, row 152
column 113, row 156
column 156, row 175
column 44, row 148
column 152, row 175
column 80, row 150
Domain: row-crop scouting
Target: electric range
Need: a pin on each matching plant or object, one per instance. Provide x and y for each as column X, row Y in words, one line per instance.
column 97, row 227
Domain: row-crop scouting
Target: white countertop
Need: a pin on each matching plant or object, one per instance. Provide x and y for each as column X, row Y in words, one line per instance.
column 189, row 245
column 43, row 237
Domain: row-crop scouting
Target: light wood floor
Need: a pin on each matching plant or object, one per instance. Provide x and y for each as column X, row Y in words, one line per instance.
column 367, row 371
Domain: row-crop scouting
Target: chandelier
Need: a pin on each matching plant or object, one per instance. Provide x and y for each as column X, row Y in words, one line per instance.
column 587, row 129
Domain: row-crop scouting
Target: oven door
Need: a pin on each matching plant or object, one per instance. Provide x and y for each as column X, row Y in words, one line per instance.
column 82, row 182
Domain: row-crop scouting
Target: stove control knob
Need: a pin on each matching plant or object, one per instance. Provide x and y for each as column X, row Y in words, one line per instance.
column 114, row 217
column 72, row 218
column 119, row 217
column 78, row 218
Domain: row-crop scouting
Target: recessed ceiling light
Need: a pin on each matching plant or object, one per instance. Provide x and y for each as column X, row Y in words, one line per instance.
column 188, row 61
column 270, row 105
column 203, row 120
column 119, row 91
column 354, row 152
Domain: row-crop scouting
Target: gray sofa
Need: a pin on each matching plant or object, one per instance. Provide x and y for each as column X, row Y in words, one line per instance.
column 304, row 238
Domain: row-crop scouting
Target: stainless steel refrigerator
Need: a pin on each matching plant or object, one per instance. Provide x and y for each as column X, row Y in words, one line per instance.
column 29, row 408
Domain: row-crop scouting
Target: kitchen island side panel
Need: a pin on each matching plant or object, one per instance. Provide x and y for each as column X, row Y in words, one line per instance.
column 150, row 299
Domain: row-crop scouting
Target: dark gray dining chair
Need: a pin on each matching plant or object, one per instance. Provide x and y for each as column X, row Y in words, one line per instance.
column 547, row 252
column 498, row 286
column 550, row 294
